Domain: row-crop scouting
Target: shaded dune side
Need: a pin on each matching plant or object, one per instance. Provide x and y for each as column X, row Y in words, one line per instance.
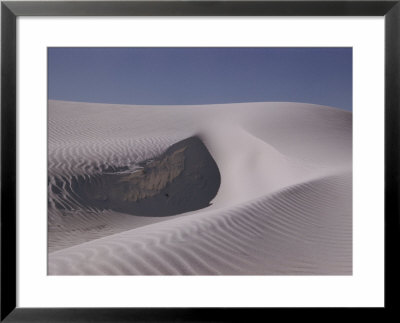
column 184, row 178
column 86, row 158
column 304, row 229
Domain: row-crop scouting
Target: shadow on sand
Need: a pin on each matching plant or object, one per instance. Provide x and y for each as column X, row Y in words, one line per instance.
column 184, row 178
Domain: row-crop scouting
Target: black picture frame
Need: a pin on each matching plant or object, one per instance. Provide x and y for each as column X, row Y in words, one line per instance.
column 10, row 10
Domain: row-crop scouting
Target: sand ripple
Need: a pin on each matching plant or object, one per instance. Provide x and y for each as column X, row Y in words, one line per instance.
column 294, row 231
column 284, row 206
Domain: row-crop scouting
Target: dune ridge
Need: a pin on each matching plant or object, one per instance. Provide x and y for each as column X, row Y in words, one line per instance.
column 283, row 207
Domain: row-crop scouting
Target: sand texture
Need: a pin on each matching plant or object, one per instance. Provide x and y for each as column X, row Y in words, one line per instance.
column 227, row 189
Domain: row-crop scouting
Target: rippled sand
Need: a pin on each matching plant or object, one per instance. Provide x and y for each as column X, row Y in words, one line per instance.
column 284, row 204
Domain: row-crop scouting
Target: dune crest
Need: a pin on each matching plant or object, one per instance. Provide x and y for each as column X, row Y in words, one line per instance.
column 242, row 189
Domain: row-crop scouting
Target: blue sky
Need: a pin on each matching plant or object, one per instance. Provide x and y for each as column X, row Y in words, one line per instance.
column 201, row 75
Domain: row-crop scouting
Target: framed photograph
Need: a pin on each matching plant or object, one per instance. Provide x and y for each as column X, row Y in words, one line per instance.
column 198, row 160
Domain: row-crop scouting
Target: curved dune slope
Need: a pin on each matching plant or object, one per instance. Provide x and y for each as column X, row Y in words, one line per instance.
column 182, row 179
column 283, row 205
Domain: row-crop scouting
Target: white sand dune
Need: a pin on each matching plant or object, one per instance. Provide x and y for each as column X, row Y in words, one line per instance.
column 284, row 205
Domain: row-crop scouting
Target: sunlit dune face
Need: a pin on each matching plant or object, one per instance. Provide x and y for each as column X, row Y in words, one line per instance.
column 237, row 189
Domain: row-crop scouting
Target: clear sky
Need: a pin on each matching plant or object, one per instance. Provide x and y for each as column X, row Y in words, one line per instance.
column 201, row 75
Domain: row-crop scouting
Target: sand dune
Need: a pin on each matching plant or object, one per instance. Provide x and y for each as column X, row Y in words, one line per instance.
column 283, row 205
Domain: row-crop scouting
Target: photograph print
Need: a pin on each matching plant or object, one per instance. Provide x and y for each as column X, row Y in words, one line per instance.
column 199, row 161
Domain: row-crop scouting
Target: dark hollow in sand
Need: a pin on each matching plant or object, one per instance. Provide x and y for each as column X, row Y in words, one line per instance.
column 184, row 178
